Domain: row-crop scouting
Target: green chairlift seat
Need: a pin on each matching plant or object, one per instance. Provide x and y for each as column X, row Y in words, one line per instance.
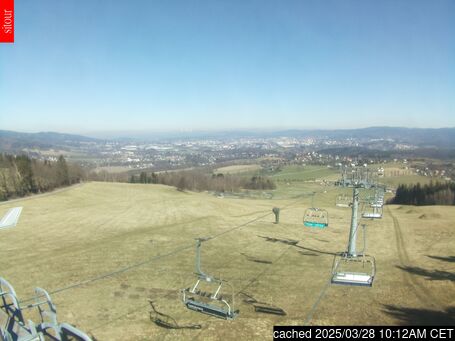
column 316, row 217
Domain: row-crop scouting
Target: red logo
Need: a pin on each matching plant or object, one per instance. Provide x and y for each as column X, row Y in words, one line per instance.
column 6, row 21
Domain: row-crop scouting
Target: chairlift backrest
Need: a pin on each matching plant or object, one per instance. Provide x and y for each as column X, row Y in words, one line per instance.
column 316, row 217
column 9, row 302
column 9, row 306
column 354, row 278
column 68, row 332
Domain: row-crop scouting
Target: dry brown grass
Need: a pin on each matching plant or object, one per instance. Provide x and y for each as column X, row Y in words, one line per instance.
column 99, row 227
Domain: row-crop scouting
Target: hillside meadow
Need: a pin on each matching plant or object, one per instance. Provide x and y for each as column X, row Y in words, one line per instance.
column 77, row 235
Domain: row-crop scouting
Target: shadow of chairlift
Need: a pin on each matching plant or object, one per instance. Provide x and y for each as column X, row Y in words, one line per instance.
column 256, row 260
column 262, row 307
column 166, row 321
column 217, row 304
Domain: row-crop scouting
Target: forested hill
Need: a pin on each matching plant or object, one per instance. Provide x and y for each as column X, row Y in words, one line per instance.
column 21, row 175
column 12, row 141
column 430, row 194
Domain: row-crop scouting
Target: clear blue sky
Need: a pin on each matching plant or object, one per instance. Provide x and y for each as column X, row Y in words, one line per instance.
column 84, row 66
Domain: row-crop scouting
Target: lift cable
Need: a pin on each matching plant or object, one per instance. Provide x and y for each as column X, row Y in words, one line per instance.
column 316, row 304
column 150, row 260
column 300, row 197
column 116, row 272
column 198, row 326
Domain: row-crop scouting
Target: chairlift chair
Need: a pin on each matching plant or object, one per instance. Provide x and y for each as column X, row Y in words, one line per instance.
column 14, row 326
column 316, row 217
column 71, row 333
column 375, row 214
column 47, row 328
column 207, row 303
column 215, row 304
column 4, row 335
column 354, row 269
column 343, row 201
column 378, row 198
column 371, row 215
column 47, row 312
column 364, row 267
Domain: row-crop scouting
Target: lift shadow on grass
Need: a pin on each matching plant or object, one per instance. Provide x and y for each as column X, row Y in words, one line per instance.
column 278, row 240
column 256, row 260
column 322, row 240
column 419, row 317
column 308, row 254
column 315, row 250
column 167, row 321
column 450, row 259
column 294, row 243
column 262, row 307
column 432, row 275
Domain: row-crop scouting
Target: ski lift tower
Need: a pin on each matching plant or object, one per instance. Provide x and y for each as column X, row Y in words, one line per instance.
column 349, row 268
column 353, row 230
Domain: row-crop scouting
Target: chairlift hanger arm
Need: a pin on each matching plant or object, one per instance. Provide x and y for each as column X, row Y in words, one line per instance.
column 201, row 301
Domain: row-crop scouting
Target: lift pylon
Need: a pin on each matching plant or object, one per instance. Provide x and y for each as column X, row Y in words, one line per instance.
column 351, row 268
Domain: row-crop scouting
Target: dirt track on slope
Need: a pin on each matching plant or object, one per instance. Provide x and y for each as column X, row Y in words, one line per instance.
column 424, row 294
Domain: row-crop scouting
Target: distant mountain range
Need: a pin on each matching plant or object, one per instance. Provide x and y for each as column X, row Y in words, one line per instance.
column 436, row 137
column 422, row 137
column 11, row 141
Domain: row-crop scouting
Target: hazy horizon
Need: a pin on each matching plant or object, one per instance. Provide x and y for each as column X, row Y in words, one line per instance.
column 179, row 66
column 166, row 133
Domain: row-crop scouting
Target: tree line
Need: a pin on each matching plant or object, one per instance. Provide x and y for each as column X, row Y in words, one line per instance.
column 437, row 193
column 21, row 175
column 199, row 181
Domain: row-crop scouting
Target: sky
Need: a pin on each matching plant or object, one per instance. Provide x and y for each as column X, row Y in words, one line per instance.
column 84, row 66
